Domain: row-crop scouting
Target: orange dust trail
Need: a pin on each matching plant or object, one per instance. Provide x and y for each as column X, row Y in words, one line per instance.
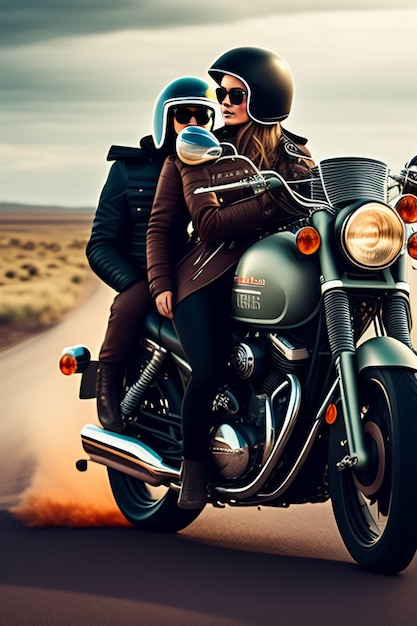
column 57, row 493
column 37, row 511
column 41, row 418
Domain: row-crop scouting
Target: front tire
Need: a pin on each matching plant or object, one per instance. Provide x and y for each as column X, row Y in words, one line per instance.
column 376, row 508
column 146, row 507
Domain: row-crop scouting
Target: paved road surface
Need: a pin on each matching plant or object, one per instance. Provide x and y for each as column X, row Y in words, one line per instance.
column 230, row 567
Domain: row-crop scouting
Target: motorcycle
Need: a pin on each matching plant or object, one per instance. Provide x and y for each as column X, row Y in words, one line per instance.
column 321, row 400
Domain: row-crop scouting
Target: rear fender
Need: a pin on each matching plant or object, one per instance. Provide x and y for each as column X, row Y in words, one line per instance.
column 88, row 382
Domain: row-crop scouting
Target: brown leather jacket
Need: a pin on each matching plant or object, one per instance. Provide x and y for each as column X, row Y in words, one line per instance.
column 224, row 232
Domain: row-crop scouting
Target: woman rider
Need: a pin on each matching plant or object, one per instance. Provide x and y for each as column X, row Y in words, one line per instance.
column 255, row 92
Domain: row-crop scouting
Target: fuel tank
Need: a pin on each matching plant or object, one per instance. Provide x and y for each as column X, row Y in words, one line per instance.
column 275, row 285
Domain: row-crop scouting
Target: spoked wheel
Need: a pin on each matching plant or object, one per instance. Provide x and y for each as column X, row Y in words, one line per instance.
column 145, row 506
column 376, row 508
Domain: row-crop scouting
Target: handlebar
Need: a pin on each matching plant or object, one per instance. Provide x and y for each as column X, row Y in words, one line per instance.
column 269, row 180
column 334, row 180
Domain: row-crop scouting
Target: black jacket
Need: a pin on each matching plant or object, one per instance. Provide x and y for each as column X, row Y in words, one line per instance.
column 116, row 248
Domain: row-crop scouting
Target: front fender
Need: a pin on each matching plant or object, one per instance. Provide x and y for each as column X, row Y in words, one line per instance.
column 385, row 352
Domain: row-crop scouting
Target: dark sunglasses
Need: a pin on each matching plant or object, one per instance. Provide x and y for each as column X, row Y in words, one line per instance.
column 235, row 94
column 202, row 116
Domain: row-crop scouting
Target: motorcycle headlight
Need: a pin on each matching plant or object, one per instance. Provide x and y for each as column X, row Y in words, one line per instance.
column 373, row 236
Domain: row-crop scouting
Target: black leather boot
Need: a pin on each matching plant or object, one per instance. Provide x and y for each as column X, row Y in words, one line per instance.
column 193, row 485
column 108, row 390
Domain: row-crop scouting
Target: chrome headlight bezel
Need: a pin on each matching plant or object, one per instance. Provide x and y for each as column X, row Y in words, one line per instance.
column 372, row 236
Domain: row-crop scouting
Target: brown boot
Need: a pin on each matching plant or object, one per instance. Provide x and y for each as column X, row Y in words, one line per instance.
column 108, row 388
column 193, row 486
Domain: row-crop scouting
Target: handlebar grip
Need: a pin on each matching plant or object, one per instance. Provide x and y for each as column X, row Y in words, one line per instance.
column 273, row 183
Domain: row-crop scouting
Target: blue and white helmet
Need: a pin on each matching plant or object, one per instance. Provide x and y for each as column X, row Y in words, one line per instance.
column 188, row 90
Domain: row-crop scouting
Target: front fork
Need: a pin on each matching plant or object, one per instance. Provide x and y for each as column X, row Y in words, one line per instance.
column 397, row 350
column 342, row 345
column 339, row 328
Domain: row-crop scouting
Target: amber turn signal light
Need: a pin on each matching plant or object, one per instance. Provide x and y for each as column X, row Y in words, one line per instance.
column 308, row 240
column 412, row 246
column 407, row 208
column 74, row 360
column 68, row 364
column 331, row 414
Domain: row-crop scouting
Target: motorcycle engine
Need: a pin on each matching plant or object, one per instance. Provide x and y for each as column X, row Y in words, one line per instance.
column 248, row 359
column 240, row 440
column 263, row 362
column 229, row 452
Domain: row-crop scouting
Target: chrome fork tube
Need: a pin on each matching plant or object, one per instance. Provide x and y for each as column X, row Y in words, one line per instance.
column 342, row 345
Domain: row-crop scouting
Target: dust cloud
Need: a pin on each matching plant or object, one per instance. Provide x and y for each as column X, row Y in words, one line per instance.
column 40, row 422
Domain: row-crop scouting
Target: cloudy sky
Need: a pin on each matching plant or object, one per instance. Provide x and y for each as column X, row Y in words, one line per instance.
column 78, row 76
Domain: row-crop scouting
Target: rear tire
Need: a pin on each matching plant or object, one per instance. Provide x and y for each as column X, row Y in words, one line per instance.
column 147, row 507
column 376, row 508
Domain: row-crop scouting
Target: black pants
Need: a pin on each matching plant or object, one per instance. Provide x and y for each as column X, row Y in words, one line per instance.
column 202, row 321
column 127, row 315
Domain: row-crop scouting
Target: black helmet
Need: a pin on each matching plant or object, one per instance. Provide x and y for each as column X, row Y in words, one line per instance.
column 187, row 90
column 267, row 77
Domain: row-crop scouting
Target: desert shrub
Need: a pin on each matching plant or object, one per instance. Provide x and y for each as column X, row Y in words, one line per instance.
column 38, row 283
column 78, row 245
column 31, row 269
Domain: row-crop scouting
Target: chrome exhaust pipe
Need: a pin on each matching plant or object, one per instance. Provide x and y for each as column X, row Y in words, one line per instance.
column 127, row 455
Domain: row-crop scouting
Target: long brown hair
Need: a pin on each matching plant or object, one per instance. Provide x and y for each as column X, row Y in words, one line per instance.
column 259, row 143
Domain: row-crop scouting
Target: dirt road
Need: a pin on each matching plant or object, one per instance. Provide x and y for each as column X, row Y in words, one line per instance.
column 230, row 567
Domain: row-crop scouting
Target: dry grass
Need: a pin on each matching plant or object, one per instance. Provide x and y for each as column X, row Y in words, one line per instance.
column 44, row 273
